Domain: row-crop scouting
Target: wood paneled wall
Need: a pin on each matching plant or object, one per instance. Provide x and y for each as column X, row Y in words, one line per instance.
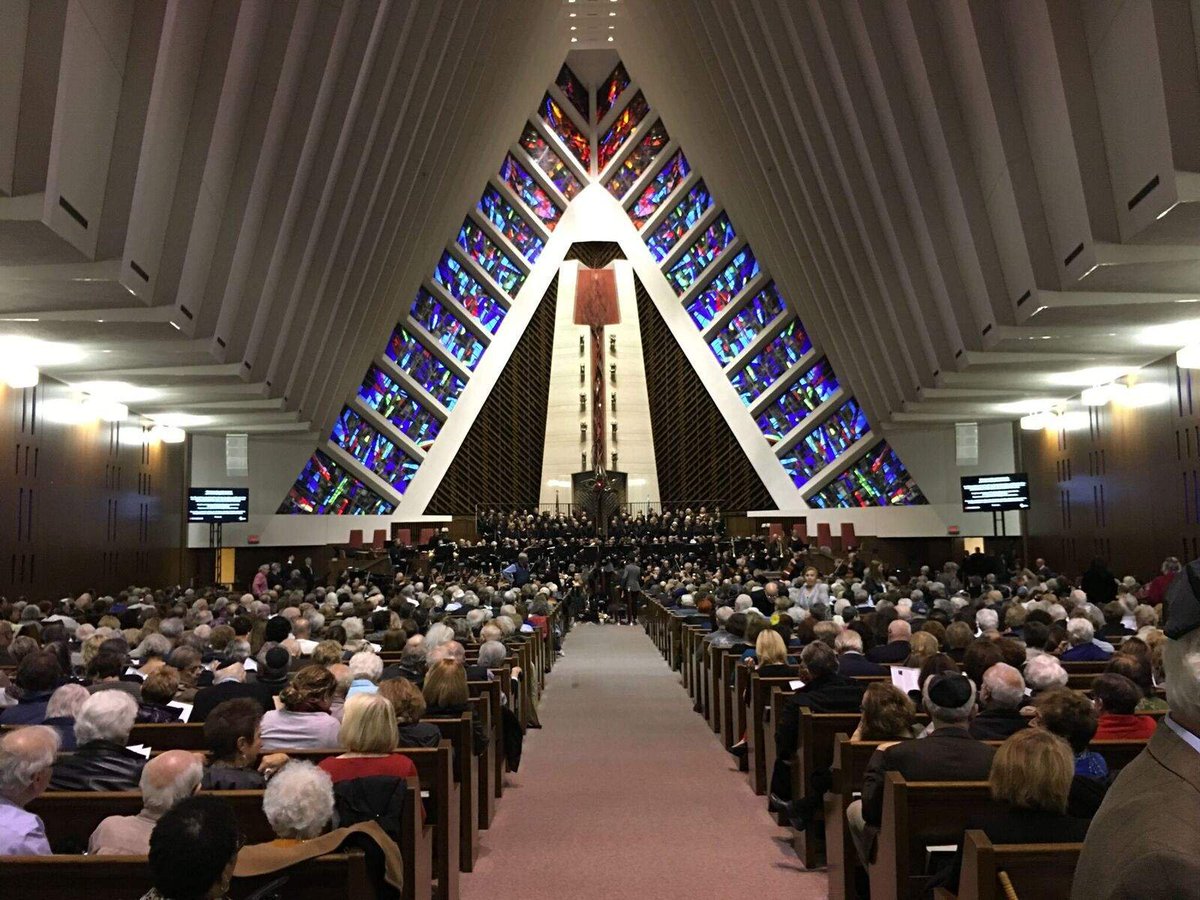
column 1125, row 488
column 84, row 507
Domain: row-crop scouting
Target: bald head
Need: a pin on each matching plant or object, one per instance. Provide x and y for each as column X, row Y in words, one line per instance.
column 26, row 761
column 1003, row 687
column 169, row 778
column 899, row 630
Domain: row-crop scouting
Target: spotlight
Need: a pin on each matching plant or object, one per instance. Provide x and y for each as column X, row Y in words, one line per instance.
column 19, row 374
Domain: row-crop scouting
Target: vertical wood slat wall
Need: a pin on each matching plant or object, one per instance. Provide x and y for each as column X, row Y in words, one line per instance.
column 1126, row 488
column 83, row 507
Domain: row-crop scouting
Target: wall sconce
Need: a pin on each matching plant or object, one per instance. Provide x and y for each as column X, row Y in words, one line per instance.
column 614, row 459
column 613, row 400
column 582, row 345
column 583, row 431
column 582, row 375
column 614, row 430
column 612, row 343
column 582, row 461
column 583, row 402
column 612, row 372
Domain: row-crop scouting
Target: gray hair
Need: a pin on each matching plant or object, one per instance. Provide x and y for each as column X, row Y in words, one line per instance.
column 66, row 701
column 237, row 650
column 1005, row 686
column 152, row 645
column 724, row 614
column 366, row 664
column 105, row 716
column 987, row 620
column 354, row 628
column 171, row 628
column 848, row 639
column 1044, row 672
column 24, row 754
column 298, row 801
column 1181, row 662
column 1080, row 631
column 161, row 797
column 492, row 654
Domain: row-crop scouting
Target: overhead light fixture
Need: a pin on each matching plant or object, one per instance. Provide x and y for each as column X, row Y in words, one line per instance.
column 180, row 420
column 610, row 37
column 168, row 434
column 108, row 410
column 1146, row 393
column 574, row 28
column 1087, row 377
column 1188, row 357
column 34, row 352
column 1096, row 396
column 68, row 411
column 19, row 374
column 574, row 40
column 173, row 325
column 116, row 390
column 1173, row 334
column 1036, row 421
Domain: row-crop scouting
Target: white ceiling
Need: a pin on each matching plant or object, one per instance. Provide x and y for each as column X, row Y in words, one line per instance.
column 264, row 184
column 947, row 192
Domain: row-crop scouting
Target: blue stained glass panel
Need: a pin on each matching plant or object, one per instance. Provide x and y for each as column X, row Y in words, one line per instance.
column 524, row 186
column 679, row 221
column 826, row 442
column 700, row 255
column 474, row 298
column 722, row 290
column 753, row 318
column 657, row 191
column 452, row 334
column 360, row 439
column 325, row 488
column 427, row 370
column 511, row 224
column 491, row 258
column 384, row 395
column 781, row 353
column 878, row 478
column 810, row 389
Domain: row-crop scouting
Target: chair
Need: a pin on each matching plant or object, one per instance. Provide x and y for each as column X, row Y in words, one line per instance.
column 356, row 539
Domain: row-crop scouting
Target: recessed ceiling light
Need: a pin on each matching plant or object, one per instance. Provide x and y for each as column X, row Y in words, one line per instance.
column 20, row 320
column 574, row 40
column 15, row 348
column 173, row 325
column 610, row 37
column 612, row 13
column 180, row 420
column 573, row 28
column 1088, row 376
column 116, row 390
column 611, row 27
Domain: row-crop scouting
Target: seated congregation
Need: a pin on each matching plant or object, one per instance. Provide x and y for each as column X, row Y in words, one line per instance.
column 956, row 737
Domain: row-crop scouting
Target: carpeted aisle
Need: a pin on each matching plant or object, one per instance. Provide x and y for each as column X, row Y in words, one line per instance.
column 626, row 792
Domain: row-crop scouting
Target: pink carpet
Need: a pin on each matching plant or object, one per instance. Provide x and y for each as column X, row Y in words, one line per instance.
column 626, row 792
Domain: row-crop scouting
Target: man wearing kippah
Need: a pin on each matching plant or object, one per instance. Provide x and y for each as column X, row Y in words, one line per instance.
column 948, row 753
column 1145, row 840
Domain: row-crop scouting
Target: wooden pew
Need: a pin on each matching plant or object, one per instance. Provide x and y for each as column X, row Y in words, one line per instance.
column 466, row 773
column 337, row 876
column 171, row 736
column 71, row 816
column 760, row 738
column 1035, row 871
column 489, row 718
column 496, row 691
column 917, row 814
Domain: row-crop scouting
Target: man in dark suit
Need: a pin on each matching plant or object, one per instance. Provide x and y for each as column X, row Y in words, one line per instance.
column 897, row 649
column 949, row 753
column 228, row 684
column 1000, row 702
column 851, row 661
column 824, row 691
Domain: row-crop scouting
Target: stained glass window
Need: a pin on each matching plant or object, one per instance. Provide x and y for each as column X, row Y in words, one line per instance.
column 826, row 442
column 539, row 202
column 427, row 370
column 362, row 440
column 700, row 255
column 877, row 479
column 753, row 318
column 384, row 395
column 550, row 162
column 781, row 353
column 724, row 288
column 607, row 93
column 573, row 90
column 657, row 191
column 452, row 334
column 679, row 221
column 470, row 293
column 560, row 123
column 806, row 393
column 491, row 258
column 325, row 488
column 639, row 160
column 620, row 130
column 511, row 224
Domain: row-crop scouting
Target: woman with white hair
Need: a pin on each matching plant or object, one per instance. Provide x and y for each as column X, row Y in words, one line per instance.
column 1044, row 673
column 298, row 801
column 100, row 761
column 61, row 710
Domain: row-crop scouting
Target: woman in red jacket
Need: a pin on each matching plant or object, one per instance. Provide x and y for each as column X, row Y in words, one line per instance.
column 1116, row 697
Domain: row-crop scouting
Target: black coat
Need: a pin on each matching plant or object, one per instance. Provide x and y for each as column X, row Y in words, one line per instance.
column 852, row 664
column 891, row 652
column 420, row 734
column 997, row 724
column 98, row 766
column 208, row 699
column 830, row 693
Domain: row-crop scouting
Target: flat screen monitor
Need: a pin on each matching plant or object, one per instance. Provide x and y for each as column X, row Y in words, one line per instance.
column 991, row 493
column 218, row 504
